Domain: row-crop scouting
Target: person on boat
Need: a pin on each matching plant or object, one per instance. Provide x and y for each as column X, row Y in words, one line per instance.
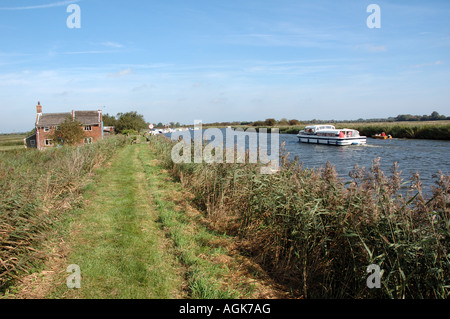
column 383, row 134
column 341, row 134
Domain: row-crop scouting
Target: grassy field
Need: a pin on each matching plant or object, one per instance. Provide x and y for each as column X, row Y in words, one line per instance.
column 11, row 141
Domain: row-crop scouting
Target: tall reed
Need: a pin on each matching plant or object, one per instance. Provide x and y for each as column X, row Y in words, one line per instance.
column 36, row 188
column 318, row 234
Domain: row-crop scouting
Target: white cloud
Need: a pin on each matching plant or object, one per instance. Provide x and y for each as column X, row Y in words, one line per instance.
column 110, row 44
column 372, row 48
column 43, row 6
column 121, row 73
column 418, row 66
column 142, row 87
column 84, row 52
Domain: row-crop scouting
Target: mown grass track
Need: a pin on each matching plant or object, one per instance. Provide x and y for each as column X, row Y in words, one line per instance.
column 136, row 239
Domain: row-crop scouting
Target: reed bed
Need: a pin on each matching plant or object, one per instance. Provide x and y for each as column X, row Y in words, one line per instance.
column 36, row 188
column 318, row 234
column 419, row 131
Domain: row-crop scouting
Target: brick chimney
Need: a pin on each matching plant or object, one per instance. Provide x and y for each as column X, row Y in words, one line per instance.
column 39, row 108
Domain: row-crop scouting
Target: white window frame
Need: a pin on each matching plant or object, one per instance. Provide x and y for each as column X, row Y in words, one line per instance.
column 88, row 128
column 32, row 142
column 88, row 140
column 48, row 142
column 46, row 129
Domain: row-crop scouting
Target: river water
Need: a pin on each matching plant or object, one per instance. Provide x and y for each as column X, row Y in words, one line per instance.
column 427, row 157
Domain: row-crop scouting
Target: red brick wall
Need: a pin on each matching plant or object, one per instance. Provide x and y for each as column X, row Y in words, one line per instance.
column 41, row 136
column 96, row 135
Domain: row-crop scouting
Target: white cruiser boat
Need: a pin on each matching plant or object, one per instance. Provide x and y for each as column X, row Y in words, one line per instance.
column 328, row 134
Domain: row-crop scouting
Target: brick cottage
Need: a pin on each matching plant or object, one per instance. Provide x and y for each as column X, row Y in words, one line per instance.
column 46, row 123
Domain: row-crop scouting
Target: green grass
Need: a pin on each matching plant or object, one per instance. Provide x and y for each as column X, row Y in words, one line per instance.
column 120, row 248
column 132, row 241
column 39, row 189
column 11, row 142
column 11, row 147
column 192, row 241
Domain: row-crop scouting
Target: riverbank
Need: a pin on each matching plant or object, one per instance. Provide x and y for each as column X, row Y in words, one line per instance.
column 436, row 130
column 318, row 234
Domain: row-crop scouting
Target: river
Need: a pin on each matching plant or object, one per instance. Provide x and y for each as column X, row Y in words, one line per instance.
column 427, row 157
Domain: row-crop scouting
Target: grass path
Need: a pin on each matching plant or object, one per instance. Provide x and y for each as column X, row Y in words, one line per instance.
column 119, row 245
column 138, row 237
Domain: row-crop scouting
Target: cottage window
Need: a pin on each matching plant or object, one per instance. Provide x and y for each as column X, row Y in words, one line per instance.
column 48, row 142
column 32, row 142
column 46, row 129
column 88, row 128
column 88, row 140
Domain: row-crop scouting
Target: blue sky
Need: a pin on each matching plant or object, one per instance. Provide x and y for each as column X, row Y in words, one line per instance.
column 224, row 60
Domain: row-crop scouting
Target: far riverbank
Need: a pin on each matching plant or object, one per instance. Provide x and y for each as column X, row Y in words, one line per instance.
column 434, row 130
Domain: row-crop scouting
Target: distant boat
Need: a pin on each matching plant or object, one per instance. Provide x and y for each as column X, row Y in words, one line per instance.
column 329, row 135
column 382, row 136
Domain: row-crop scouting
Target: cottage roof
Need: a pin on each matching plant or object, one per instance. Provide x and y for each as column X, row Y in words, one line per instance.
column 87, row 117
column 53, row 119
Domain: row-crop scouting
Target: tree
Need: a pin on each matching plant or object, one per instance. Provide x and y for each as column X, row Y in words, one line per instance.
column 258, row 123
column 30, row 133
column 270, row 122
column 436, row 116
column 130, row 121
column 109, row 120
column 69, row 132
